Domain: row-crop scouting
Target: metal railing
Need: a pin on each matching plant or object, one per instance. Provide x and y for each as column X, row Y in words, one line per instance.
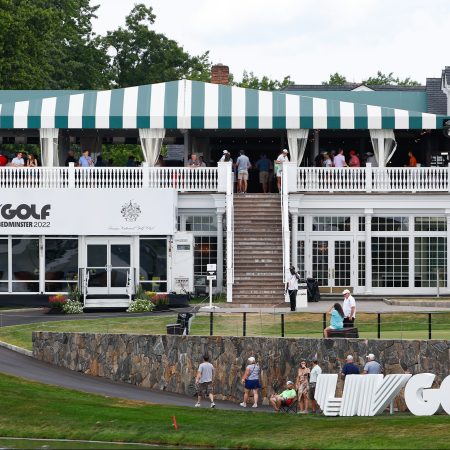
column 373, row 179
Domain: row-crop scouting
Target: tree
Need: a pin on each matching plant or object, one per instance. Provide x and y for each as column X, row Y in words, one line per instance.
column 336, row 79
column 382, row 79
column 250, row 80
column 142, row 56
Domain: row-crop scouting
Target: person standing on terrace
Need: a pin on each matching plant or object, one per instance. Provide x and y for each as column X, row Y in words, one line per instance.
column 193, row 161
column 32, row 161
column 86, row 160
column 339, row 159
column 70, row 158
column 412, row 160
column 282, row 158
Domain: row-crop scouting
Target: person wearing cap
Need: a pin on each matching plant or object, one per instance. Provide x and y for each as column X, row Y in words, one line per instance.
column 350, row 368
column 372, row 367
column 250, row 378
column 370, row 159
column 224, row 156
column 285, row 398
column 349, row 308
column 282, row 158
column 316, row 370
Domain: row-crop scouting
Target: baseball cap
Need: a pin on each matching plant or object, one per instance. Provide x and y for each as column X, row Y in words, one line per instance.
column 285, row 150
column 349, row 358
column 370, row 356
column 225, row 152
column 345, row 291
column 251, row 359
column 289, row 382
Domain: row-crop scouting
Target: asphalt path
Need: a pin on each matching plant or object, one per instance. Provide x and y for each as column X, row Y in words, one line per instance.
column 13, row 363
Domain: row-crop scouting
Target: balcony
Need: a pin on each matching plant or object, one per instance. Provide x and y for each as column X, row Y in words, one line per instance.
column 369, row 179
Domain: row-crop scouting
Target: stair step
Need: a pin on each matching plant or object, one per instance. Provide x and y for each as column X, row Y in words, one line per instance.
column 107, row 303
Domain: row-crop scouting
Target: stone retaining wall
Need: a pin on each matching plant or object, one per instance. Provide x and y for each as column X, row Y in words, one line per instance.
column 170, row 362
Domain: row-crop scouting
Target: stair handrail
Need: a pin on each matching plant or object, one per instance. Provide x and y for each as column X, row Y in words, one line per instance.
column 85, row 285
column 230, row 233
column 285, row 221
column 129, row 285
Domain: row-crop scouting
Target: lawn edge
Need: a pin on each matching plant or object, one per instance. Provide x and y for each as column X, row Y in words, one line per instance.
column 15, row 348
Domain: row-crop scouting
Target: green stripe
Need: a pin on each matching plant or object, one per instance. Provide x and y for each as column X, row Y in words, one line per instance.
column 62, row 112
column 198, row 105
column 34, row 113
column 143, row 106
column 171, row 105
column 224, row 106
column 306, row 110
column 251, row 108
column 415, row 120
column 361, row 122
column 7, row 119
column 116, row 108
column 387, row 119
column 278, row 111
column 89, row 104
column 333, row 115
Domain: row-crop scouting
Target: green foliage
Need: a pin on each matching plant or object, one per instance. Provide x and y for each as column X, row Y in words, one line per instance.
column 74, row 293
column 336, row 79
column 72, row 307
column 140, row 305
column 119, row 153
column 382, row 79
column 250, row 80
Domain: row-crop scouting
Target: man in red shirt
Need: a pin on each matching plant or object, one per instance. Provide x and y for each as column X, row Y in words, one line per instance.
column 3, row 160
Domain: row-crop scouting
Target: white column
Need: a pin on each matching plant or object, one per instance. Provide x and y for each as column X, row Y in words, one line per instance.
column 49, row 146
column 368, row 252
column 219, row 216
column 294, row 239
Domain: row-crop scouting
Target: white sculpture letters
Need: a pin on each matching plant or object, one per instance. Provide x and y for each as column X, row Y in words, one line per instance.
column 368, row 395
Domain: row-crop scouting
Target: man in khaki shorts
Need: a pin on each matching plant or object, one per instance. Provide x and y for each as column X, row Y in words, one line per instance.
column 242, row 165
column 264, row 165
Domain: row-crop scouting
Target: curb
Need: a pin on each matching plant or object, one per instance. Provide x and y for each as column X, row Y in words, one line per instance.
column 16, row 349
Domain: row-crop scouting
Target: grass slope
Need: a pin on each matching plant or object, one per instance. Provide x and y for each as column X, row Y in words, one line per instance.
column 57, row 413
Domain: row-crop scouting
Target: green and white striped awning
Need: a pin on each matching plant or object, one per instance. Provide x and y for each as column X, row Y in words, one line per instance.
column 188, row 104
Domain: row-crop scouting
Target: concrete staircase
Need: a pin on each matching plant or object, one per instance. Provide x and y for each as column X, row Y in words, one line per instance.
column 258, row 251
column 106, row 302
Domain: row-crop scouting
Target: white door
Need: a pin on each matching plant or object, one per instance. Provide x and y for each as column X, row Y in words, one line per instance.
column 108, row 261
column 331, row 262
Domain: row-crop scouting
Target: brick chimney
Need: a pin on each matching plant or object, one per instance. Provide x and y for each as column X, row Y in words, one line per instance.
column 220, row 74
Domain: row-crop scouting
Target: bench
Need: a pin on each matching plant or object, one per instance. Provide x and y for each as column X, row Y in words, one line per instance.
column 345, row 333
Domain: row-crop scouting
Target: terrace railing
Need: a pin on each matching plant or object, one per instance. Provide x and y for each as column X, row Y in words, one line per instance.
column 180, row 178
column 372, row 179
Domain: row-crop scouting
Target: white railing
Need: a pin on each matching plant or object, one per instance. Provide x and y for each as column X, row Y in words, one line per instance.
column 179, row 178
column 230, row 232
column 373, row 179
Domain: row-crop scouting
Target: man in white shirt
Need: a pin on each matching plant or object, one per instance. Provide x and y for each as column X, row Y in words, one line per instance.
column 315, row 372
column 204, row 381
column 224, row 155
column 282, row 158
column 292, row 287
column 349, row 308
column 18, row 160
column 339, row 159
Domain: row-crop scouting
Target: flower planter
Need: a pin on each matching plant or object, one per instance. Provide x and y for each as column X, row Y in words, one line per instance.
column 55, row 311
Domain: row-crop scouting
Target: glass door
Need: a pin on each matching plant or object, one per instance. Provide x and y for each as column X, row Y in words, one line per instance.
column 108, row 262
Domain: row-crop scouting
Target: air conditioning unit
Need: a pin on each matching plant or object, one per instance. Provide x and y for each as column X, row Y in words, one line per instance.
column 183, row 262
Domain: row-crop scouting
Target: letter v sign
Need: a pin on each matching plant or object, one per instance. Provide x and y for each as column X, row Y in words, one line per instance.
column 364, row 395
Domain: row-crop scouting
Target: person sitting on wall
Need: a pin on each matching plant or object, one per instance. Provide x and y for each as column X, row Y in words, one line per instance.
column 337, row 319
column 285, row 398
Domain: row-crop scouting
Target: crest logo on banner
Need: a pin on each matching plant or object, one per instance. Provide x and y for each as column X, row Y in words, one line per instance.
column 131, row 211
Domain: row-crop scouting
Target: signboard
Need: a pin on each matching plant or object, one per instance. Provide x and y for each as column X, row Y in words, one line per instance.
column 211, row 267
column 175, row 152
column 88, row 212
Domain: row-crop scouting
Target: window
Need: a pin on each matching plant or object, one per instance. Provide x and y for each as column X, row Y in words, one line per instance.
column 361, row 263
column 4, row 265
column 301, row 258
column 201, row 223
column 301, row 223
column 205, row 252
column 25, row 265
column 361, row 224
column 61, row 264
column 390, row 261
column 430, row 261
column 430, row 224
column 390, row 223
column 331, row 223
column 153, row 264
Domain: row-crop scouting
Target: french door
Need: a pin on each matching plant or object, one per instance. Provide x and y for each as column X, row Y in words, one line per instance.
column 332, row 262
column 108, row 262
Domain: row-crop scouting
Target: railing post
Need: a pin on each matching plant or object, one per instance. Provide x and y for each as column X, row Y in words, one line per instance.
column 379, row 326
column 145, row 175
column 71, row 175
column 244, row 324
column 369, row 177
column 448, row 178
column 211, row 323
column 429, row 326
column 223, row 169
column 282, row 325
column 324, row 321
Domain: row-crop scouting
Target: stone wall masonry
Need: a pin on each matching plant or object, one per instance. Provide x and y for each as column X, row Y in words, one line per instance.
column 170, row 362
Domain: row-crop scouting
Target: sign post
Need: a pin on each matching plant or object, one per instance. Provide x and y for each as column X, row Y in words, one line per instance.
column 211, row 269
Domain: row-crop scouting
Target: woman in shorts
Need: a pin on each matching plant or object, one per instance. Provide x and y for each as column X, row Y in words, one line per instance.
column 251, row 382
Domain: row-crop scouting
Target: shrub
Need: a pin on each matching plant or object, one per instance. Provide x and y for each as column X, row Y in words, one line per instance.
column 160, row 300
column 140, row 305
column 74, row 293
column 57, row 301
column 72, row 307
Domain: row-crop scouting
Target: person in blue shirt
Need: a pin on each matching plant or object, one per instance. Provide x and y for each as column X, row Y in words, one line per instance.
column 264, row 165
column 350, row 368
column 336, row 320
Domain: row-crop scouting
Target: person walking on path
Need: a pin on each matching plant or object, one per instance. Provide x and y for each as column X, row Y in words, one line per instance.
column 315, row 372
column 372, row 367
column 350, row 368
column 204, row 381
column 243, row 165
column 282, row 158
column 301, row 385
column 251, row 382
column 337, row 319
column 292, row 287
column 349, row 308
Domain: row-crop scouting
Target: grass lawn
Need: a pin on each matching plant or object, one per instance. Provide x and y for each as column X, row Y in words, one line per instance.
column 57, row 413
column 398, row 326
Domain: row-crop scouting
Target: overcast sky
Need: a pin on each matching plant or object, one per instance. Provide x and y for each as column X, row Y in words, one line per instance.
column 306, row 39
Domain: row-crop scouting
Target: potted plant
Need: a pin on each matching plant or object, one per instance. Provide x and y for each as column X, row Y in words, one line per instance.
column 56, row 303
column 161, row 302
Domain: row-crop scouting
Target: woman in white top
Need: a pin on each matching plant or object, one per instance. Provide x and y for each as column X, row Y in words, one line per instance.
column 282, row 158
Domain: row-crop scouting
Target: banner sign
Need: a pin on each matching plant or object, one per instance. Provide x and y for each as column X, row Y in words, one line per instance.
column 88, row 212
column 369, row 395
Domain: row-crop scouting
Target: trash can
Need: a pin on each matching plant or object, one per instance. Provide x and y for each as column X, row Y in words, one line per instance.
column 174, row 328
column 183, row 322
column 313, row 290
